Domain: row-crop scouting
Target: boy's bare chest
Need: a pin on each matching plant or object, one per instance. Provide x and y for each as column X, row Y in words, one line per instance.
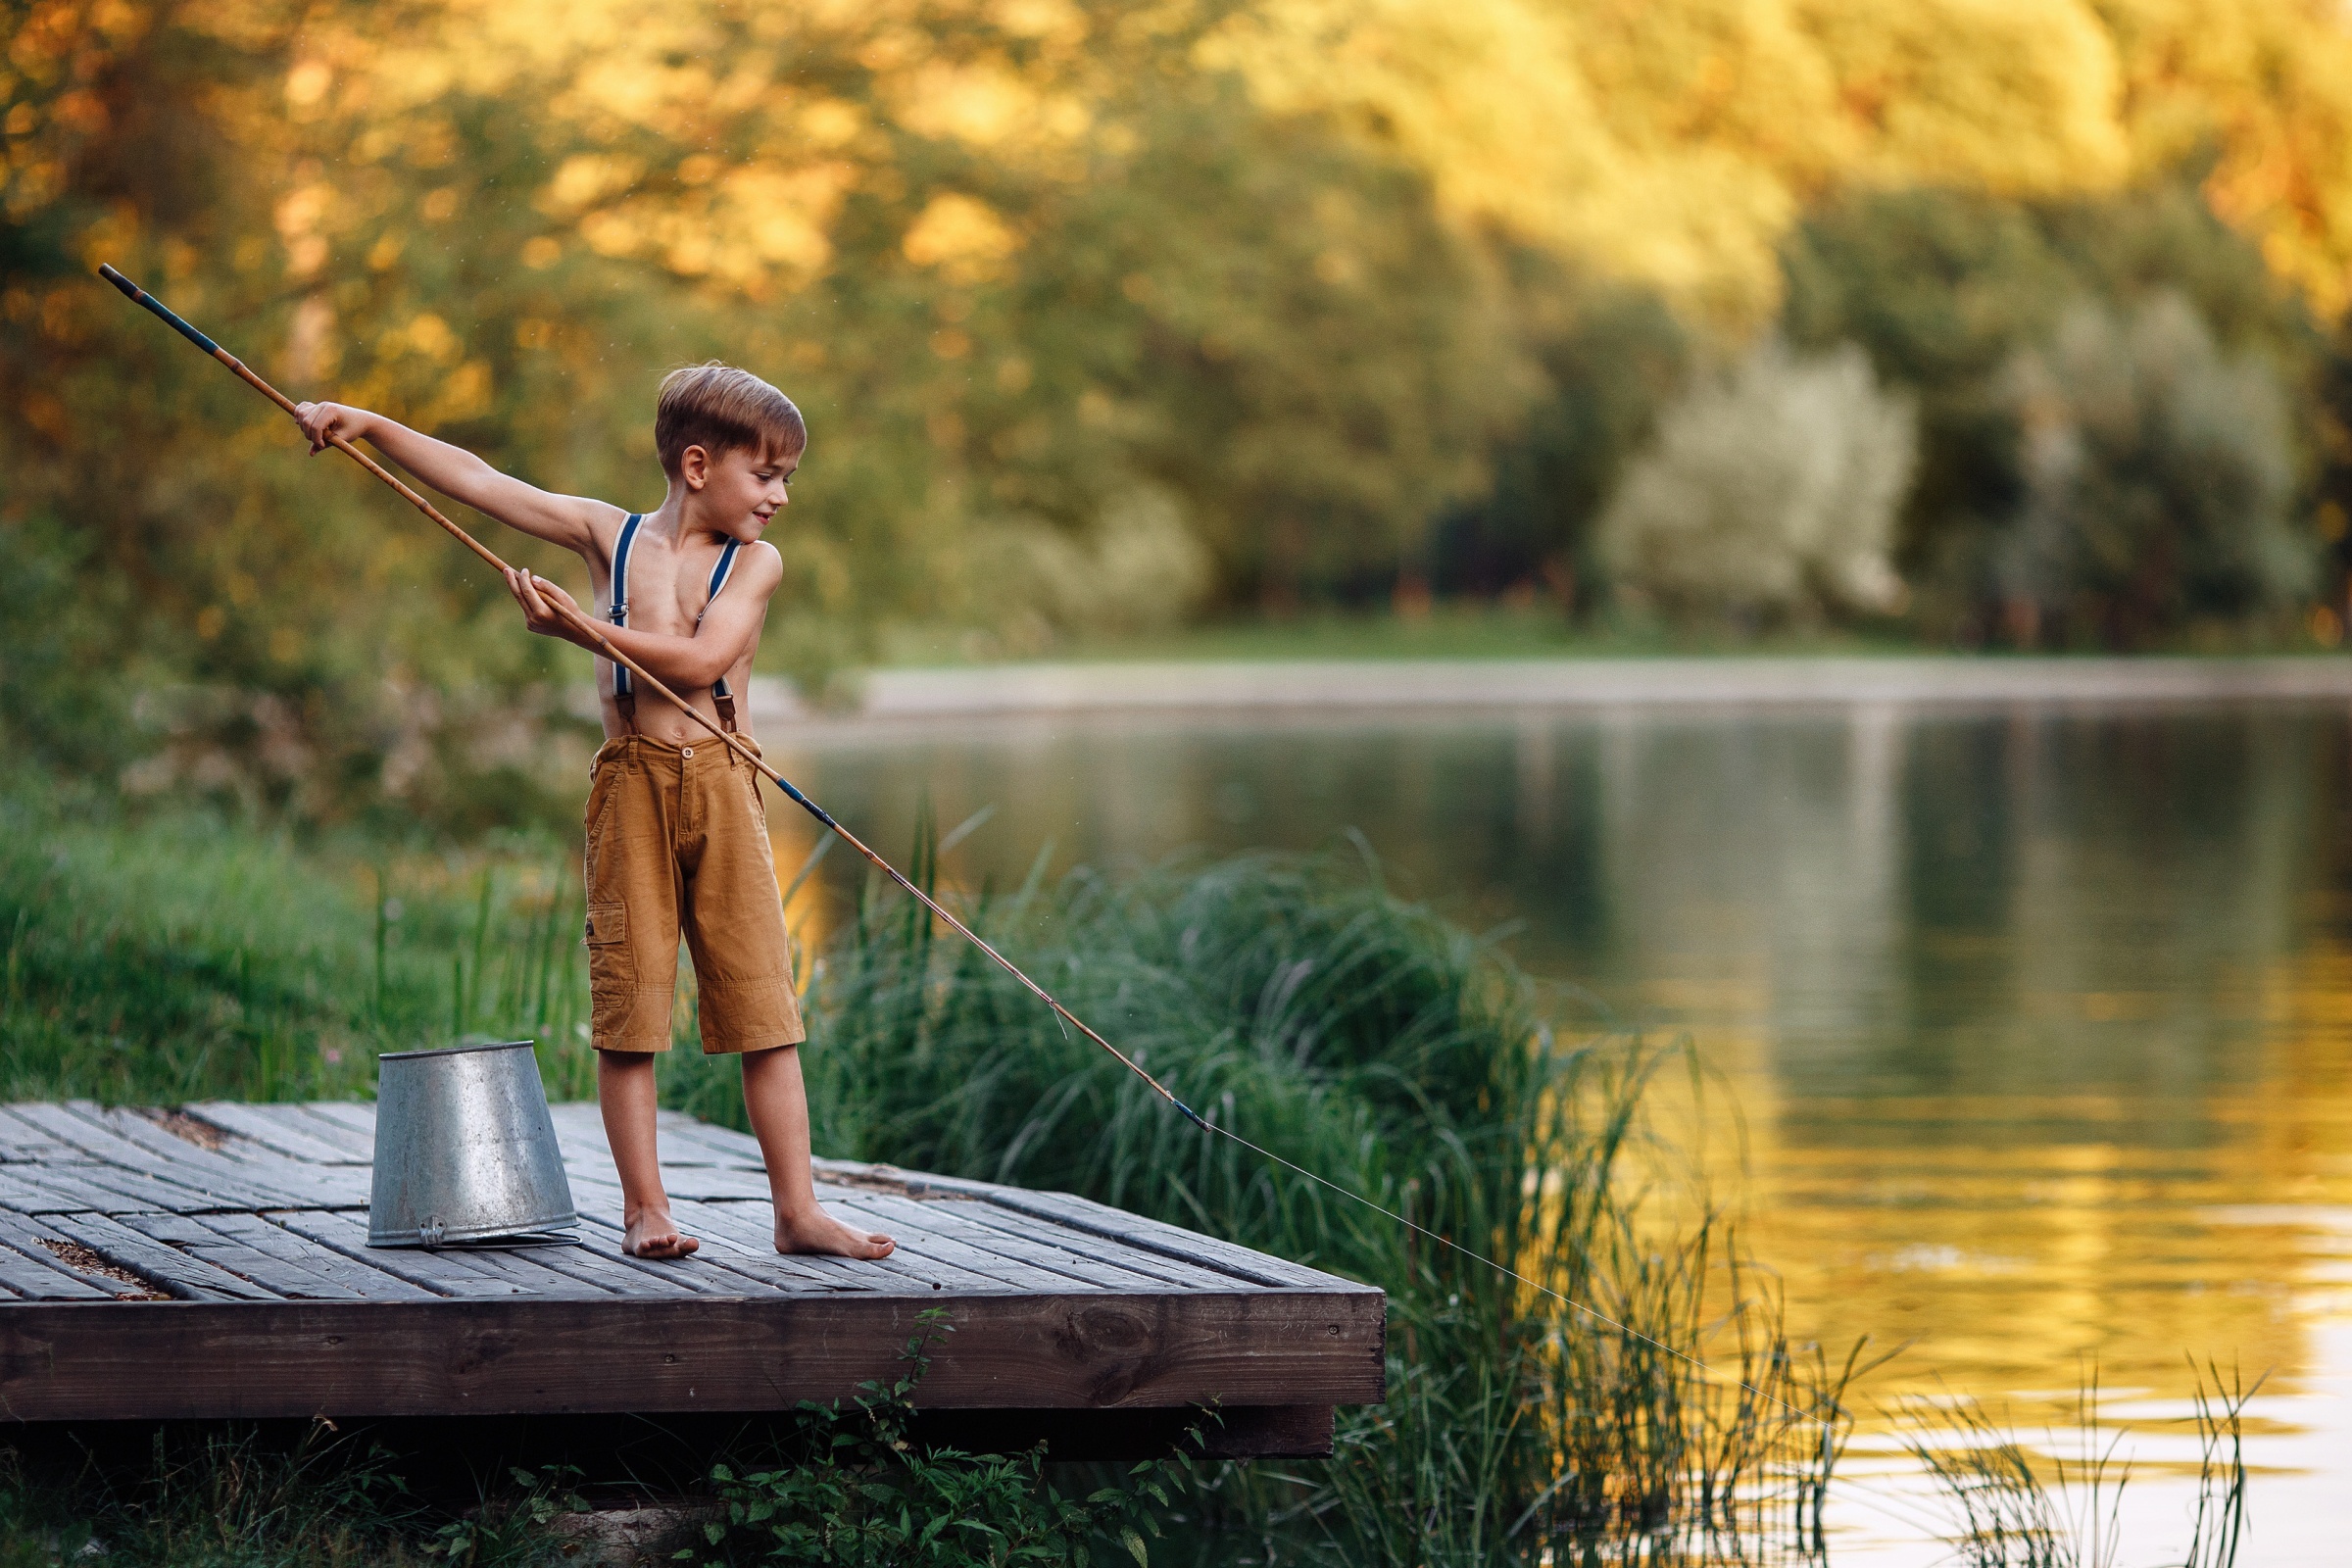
column 667, row 589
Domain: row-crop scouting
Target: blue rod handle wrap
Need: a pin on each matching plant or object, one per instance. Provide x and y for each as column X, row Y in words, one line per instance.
column 140, row 296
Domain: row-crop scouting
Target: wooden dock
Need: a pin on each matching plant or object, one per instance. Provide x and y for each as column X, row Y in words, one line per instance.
column 212, row 1262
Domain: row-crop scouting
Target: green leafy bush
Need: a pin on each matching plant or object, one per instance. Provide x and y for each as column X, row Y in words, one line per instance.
column 2158, row 478
column 852, row 1489
column 1770, row 493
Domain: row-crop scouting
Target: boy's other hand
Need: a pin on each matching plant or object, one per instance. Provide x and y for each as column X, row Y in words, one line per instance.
column 544, row 604
column 323, row 421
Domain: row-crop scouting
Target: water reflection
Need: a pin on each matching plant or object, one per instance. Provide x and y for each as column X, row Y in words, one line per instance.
column 2038, row 1019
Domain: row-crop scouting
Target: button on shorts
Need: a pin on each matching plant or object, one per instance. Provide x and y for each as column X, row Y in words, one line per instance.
column 678, row 843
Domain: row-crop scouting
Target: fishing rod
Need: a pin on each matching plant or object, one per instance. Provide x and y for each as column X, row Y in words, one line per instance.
column 603, row 644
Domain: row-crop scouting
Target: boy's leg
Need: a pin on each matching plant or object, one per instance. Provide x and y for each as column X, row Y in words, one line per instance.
column 778, row 1103
column 632, row 939
column 625, row 1092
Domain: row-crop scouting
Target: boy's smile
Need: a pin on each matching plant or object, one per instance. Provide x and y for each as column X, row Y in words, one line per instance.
column 739, row 492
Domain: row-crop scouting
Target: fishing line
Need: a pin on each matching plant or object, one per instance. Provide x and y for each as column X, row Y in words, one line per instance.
column 1063, row 1017
column 1503, row 1269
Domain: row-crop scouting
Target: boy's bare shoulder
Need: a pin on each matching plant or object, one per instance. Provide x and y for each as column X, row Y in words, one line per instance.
column 599, row 523
column 768, row 564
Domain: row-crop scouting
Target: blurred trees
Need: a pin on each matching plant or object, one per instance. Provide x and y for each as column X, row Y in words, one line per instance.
column 1097, row 308
column 1951, row 291
column 2157, row 473
column 1770, row 494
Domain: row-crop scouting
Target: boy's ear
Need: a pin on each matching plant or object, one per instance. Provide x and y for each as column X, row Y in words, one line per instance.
column 694, row 466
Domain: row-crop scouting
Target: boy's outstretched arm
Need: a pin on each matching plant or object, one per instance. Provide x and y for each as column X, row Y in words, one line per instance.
column 458, row 474
column 730, row 627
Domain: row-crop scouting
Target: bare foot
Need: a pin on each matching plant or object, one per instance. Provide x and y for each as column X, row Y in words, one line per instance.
column 654, row 1234
column 819, row 1232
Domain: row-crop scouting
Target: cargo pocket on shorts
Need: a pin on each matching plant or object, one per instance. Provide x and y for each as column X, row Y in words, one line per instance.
column 612, row 973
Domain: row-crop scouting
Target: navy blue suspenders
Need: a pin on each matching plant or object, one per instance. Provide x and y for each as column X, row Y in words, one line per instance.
column 719, row 574
column 623, row 691
column 625, row 695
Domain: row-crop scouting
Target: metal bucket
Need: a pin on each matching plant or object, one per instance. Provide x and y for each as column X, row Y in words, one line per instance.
column 466, row 1151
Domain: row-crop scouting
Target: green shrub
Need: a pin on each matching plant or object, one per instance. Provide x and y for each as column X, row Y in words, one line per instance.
column 850, row 1489
column 1770, row 493
column 2159, row 472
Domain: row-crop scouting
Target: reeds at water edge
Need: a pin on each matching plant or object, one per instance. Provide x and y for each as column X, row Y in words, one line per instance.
column 1634, row 1393
column 1661, row 1413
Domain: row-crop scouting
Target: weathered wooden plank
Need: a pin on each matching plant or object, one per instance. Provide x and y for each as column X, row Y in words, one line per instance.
column 99, row 1189
column 191, row 1279
column 211, row 1182
column 699, row 1143
column 1052, row 1246
column 710, row 1183
column 1154, row 1236
column 172, row 1359
column 1172, row 1272
column 719, row 1267
column 936, row 1231
column 300, row 1184
column 750, row 1229
column 366, row 1283
column 716, row 1268
column 148, row 1143
column 20, row 1141
column 81, row 1123
column 580, row 1129
column 901, row 1270
column 347, row 1124
column 684, row 1143
column 932, row 1251
column 628, row 1276
column 442, row 1273
column 276, row 1275
column 258, row 1178
column 39, row 1242
column 753, row 1254
column 273, row 1127
column 521, row 1266
column 28, row 1277
column 61, row 1190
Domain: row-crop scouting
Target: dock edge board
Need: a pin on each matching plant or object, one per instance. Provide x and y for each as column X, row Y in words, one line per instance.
column 187, row 1360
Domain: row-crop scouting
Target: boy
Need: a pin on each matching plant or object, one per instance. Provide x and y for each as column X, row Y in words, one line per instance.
column 678, row 832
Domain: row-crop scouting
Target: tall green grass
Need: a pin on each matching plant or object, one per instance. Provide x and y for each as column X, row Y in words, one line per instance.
column 1309, row 1009
column 1300, row 1002
column 184, row 956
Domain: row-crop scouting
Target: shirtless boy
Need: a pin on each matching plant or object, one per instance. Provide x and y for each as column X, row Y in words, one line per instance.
column 677, row 835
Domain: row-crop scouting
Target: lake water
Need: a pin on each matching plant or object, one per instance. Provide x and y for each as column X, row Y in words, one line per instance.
column 2039, row 1020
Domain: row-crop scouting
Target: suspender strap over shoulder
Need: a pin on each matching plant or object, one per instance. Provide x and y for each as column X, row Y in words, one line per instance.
column 623, row 692
column 623, row 689
column 719, row 573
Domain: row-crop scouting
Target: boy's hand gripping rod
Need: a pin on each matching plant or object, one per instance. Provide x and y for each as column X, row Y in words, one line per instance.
column 605, row 646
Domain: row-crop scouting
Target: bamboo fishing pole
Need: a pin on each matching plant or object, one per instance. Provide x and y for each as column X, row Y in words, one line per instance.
column 604, row 645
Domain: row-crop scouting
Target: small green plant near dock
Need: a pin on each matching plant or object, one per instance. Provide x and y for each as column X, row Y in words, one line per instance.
column 851, row 1488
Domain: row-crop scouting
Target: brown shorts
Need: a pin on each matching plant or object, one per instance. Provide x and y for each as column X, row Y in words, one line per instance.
column 677, row 840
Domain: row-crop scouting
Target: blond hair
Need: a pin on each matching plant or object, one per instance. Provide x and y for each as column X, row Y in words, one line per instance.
column 722, row 409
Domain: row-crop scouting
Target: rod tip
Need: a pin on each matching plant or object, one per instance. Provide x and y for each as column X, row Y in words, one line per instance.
column 119, row 280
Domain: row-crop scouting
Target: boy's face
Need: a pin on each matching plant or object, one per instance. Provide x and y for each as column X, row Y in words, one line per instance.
column 738, row 491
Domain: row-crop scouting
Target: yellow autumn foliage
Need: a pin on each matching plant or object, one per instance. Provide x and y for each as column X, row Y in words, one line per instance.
column 1672, row 142
column 1303, row 266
